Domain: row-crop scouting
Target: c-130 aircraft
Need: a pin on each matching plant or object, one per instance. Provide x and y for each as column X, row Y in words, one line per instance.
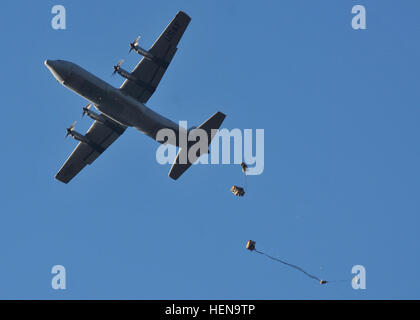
column 125, row 107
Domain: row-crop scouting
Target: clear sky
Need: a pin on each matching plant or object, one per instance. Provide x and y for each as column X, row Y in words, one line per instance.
column 340, row 110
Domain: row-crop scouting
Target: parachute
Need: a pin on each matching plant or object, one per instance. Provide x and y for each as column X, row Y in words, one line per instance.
column 240, row 192
column 251, row 247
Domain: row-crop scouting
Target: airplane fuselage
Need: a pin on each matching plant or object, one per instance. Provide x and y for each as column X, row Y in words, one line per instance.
column 109, row 100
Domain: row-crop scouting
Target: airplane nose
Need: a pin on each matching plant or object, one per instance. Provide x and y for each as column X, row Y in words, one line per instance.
column 58, row 69
column 52, row 64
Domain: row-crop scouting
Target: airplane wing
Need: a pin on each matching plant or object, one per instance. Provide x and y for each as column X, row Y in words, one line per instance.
column 102, row 136
column 148, row 72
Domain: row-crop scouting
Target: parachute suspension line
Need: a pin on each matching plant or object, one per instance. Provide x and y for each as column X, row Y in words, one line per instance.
column 251, row 247
column 300, row 269
column 292, row 265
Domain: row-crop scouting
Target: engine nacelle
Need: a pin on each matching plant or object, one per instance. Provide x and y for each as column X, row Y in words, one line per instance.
column 82, row 138
column 119, row 129
column 150, row 56
column 92, row 114
column 143, row 52
column 125, row 74
column 78, row 136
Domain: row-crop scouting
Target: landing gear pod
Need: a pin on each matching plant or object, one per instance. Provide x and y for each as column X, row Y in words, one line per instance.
column 250, row 245
column 237, row 191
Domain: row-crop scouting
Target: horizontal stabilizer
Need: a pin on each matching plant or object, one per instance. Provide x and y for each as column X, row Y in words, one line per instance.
column 178, row 168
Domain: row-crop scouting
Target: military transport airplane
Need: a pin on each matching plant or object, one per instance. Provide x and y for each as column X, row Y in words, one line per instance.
column 125, row 106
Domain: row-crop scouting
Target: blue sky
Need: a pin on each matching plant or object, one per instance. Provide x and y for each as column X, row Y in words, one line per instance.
column 340, row 110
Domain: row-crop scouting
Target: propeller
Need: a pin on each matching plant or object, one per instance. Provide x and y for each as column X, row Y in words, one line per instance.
column 70, row 129
column 134, row 44
column 86, row 109
column 117, row 66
